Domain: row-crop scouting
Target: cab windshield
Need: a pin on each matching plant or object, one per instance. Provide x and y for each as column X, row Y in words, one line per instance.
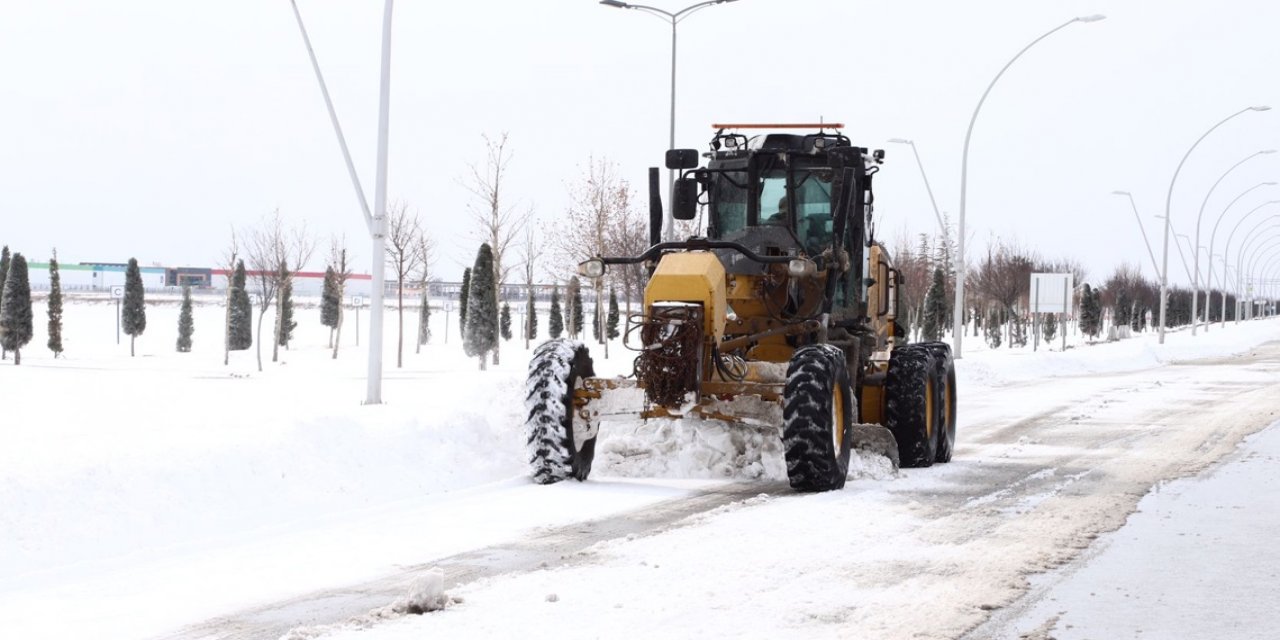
column 804, row 207
column 809, row 190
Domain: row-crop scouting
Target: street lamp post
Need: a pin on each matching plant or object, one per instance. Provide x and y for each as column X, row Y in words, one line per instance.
column 936, row 213
column 376, row 221
column 1214, row 234
column 1168, row 204
column 1226, row 248
column 1195, row 288
column 958, row 325
column 1154, row 264
column 674, row 18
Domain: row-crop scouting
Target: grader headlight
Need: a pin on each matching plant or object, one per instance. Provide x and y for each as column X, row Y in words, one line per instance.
column 801, row 268
column 593, row 268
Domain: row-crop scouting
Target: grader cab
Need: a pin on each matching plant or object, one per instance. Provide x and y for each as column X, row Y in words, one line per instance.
column 782, row 316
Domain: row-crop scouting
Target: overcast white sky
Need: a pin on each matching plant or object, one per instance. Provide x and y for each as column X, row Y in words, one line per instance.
column 148, row 128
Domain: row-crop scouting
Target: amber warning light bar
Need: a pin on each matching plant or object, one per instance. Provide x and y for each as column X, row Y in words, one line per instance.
column 819, row 125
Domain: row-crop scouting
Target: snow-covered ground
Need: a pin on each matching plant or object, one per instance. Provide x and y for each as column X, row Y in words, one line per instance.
column 1195, row 561
column 141, row 495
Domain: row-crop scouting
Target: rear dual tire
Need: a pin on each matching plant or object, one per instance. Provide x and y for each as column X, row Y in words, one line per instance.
column 911, row 411
column 945, row 386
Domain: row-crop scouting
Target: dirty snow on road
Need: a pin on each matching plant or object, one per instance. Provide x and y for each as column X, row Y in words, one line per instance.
column 174, row 490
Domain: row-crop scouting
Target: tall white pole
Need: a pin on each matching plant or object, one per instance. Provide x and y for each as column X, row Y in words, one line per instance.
column 669, row 230
column 1154, row 264
column 379, row 232
column 958, row 328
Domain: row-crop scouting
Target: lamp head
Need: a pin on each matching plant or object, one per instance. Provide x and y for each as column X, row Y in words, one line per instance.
column 1093, row 18
column 1120, row 193
column 1268, row 184
column 899, row 141
column 614, row 3
column 1261, row 107
column 1266, row 151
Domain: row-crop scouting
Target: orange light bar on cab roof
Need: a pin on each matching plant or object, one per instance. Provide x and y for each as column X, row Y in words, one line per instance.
column 818, row 125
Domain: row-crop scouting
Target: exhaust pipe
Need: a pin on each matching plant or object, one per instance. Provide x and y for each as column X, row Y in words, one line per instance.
column 655, row 207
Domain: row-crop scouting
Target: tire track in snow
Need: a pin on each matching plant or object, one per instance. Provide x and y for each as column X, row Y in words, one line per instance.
column 553, row 547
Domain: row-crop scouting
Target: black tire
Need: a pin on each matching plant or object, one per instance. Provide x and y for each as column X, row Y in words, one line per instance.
column 945, row 384
column 817, row 419
column 555, row 370
column 911, row 411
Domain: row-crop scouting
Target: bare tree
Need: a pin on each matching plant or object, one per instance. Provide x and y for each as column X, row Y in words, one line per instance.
column 496, row 219
column 269, row 247
column 628, row 235
column 598, row 201
column 339, row 260
column 1004, row 278
column 404, row 232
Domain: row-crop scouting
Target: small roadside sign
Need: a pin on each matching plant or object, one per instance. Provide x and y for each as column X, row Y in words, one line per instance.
column 357, row 301
column 117, row 291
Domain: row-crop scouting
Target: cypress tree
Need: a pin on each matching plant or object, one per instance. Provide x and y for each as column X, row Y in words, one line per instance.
column 4, row 270
column 481, row 333
column 555, row 325
column 935, row 308
column 134, row 311
column 329, row 300
column 504, row 321
column 1090, row 318
column 424, row 320
column 530, row 320
column 16, row 321
column 1050, row 327
column 462, row 302
column 595, row 321
column 240, row 327
column 186, row 324
column 285, row 324
column 992, row 329
column 55, row 306
column 611, row 321
column 575, row 306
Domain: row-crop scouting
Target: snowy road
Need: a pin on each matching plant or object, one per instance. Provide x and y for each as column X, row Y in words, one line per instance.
column 1042, row 468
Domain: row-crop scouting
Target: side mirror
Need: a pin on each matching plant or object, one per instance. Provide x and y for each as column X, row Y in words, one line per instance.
column 682, row 159
column 685, row 206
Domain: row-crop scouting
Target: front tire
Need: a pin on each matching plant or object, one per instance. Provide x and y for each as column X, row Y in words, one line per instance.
column 817, row 415
column 911, row 412
column 561, row 443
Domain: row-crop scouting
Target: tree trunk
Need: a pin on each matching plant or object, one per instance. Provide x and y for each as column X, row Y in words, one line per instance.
column 226, row 332
column 337, row 333
column 400, row 320
column 17, row 355
column 484, row 362
column 262, row 313
column 131, row 339
column 275, row 338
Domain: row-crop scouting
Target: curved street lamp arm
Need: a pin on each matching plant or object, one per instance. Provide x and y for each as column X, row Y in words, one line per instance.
column 958, row 311
column 1168, row 205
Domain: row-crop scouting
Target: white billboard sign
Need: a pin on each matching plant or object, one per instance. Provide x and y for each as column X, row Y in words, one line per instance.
column 1051, row 292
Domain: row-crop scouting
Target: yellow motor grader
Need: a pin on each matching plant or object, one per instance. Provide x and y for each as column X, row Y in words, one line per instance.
column 782, row 316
